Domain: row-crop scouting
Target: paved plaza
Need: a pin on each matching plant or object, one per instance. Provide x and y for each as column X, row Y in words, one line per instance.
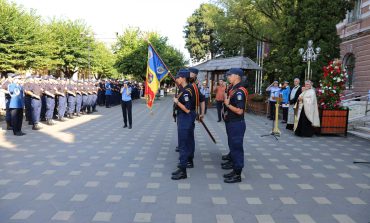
column 90, row 169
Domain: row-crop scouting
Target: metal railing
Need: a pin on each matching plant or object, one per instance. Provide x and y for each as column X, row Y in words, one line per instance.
column 359, row 98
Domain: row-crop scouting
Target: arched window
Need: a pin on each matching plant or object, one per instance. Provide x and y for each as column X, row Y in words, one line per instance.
column 349, row 64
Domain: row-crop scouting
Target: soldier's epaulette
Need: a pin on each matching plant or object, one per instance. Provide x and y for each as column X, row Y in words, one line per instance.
column 190, row 91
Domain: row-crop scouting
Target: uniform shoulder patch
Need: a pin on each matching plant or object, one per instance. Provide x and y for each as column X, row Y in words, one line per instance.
column 239, row 96
column 186, row 97
column 188, row 90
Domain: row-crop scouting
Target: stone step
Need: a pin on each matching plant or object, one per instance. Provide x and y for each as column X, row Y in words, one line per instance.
column 360, row 134
column 363, row 129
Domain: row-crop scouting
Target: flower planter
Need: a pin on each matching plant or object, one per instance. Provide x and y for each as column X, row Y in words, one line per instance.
column 334, row 121
column 257, row 107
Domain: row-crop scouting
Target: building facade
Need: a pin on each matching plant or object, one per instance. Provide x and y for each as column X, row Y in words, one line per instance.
column 354, row 32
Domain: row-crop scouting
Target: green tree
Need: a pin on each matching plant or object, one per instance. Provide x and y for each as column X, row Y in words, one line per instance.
column 287, row 25
column 201, row 36
column 102, row 64
column 131, row 52
column 24, row 41
column 72, row 40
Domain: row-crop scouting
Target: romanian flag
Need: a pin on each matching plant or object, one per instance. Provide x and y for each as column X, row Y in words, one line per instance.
column 155, row 73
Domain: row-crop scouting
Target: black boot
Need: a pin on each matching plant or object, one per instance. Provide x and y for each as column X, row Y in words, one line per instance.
column 190, row 164
column 20, row 133
column 228, row 175
column 179, row 174
column 8, row 126
column 227, row 166
column 235, row 178
column 226, row 157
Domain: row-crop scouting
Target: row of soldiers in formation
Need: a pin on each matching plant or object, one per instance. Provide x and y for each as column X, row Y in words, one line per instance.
column 109, row 92
column 46, row 99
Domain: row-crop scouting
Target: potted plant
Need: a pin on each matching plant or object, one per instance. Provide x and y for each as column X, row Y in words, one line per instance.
column 257, row 104
column 333, row 116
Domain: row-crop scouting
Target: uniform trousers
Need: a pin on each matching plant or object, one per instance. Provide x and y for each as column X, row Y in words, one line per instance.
column 235, row 134
column 78, row 103
column 84, row 102
column 16, row 117
column 94, row 101
column 7, row 112
column 35, row 110
column 62, row 106
column 50, row 105
column 71, row 104
column 127, row 111
column 108, row 100
column 27, row 106
column 185, row 134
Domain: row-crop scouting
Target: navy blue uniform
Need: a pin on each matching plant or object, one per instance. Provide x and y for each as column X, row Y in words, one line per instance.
column 185, row 126
column 27, row 103
column 235, row 126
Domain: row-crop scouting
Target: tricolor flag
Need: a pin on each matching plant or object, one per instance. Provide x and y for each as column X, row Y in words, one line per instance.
column 156, row 72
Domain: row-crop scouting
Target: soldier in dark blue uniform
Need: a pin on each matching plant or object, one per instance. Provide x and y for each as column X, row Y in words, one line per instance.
column 199, row 107
column 16, row 106
column 71, row 99
column 62, row 99
column 185, row 119
column 27, row 100
column 36, row 92
column 35, row 102
column 95, row 98
column 79, row 90
column 235, row 125
column 101, row 93
column 85, row 97
column 49, row 93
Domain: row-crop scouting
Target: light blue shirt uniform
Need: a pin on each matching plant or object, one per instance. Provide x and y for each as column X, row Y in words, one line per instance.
column 17, row 98
column 126, row 94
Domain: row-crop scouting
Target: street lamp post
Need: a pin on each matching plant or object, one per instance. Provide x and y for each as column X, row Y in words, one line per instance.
column 310, row 55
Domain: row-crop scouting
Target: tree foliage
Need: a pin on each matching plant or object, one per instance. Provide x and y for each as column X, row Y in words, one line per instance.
column 285, row 25
column 23, row 40
column 201, row 36
column 63, row 47
column 131, row 52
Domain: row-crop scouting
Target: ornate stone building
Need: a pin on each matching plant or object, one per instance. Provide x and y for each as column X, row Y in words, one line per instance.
column 355, row 47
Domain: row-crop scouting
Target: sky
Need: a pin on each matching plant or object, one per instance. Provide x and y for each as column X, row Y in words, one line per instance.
column 107, row 17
